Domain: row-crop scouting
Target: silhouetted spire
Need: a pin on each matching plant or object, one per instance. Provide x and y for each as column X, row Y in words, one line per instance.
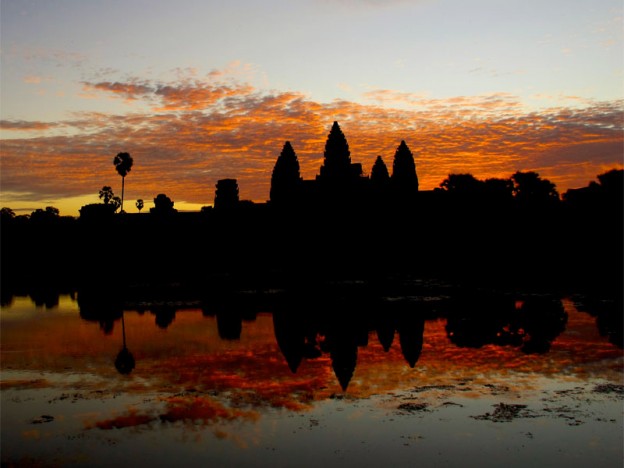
column 379, row 172
column 337, row 158
column 286, row 178
column 404, row 169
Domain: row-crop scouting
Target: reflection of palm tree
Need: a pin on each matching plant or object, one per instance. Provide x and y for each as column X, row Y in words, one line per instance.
column 124, row 363
column 123, row 164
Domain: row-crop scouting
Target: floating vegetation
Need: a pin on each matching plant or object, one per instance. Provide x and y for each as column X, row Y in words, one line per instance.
column 609, row 388
column 412, row 407
column 506, row 413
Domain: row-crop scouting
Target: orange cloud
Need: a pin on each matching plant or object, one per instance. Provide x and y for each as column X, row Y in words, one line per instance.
column 201, row 132
column 130, row 91
column 23, row 125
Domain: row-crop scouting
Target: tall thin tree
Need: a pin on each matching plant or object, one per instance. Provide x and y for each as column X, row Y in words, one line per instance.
column 123, row 164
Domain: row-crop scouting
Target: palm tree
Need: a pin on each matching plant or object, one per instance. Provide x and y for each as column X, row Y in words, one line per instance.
column 106, row 194
column 123, row 164
column 139, row 204
column 116, row 203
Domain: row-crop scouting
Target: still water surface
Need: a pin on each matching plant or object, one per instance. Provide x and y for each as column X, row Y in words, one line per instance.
column 272, row 388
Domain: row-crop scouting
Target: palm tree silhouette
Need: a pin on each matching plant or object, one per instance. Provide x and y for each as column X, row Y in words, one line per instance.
column 123, row 164
column 106, row 194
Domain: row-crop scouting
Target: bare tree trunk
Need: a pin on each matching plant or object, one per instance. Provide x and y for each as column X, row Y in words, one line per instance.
column 123, row 180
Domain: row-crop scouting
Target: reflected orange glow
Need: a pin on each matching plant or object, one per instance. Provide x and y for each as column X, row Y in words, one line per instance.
column 131, row 419
column 195, row 370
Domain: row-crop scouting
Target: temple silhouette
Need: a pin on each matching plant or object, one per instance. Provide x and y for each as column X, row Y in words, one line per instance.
column 340, row 183
column 341, row 224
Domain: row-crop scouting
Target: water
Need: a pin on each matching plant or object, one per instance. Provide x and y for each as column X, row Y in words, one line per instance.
column 435, row 379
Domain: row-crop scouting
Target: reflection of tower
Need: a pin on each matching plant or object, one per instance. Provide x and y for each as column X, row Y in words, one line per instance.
column 411, row 329
column 385, row 331
column 290, row 338
column 229, row 324
column 344, row 358
column 341, row 340
column 124, row 363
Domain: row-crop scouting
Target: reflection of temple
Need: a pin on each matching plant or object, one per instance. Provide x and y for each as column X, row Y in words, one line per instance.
column 302, row 332
column 334, row 319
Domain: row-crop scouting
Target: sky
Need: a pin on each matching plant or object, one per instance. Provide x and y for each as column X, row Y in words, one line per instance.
column 201, row 90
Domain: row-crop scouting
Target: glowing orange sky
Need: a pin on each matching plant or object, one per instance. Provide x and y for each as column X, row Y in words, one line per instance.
column 186, row 135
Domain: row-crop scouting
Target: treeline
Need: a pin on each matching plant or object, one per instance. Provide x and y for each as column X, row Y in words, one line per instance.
column 515, row 231
column 342, row 224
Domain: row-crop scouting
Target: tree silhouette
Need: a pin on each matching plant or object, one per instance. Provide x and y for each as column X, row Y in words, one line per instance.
column 139, row 204
column 106, row 194
column 286, row 178
column 612, row 181
column 7, row 214
column 498, row 188
column 404, row 169
column 116, row 202
column 123, row 163
column 529, row 188
column 337, row 157
column 163, row 204
column 611, row 191
column 48, row 214
column 461, row 184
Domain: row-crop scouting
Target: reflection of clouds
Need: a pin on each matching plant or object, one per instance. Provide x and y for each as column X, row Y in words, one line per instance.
column 186, row 409
column 195, row 372
column 24, row 384
column 214, row 130
column 131, row 419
